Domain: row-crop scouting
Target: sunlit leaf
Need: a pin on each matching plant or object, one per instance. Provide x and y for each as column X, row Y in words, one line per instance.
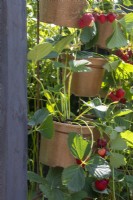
column 78, row 146
column 40, row 51
column 59, row 46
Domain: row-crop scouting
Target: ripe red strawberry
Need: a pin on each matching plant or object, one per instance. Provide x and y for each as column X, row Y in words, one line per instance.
column 101, row 184
column 119, row 53
column 101, row 142
column 102, row 152
column 111, row 17
column 81, row 23
column 102, row 18
column 113, row 96
column 123, row 100
column 125, row 57
column 86, row 20
column 120, row 93
column 80, row 162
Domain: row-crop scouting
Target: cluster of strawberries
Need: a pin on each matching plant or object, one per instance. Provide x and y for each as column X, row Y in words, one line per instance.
column 89, row 18
column 102, row 151
column 126, row 54
column 102, row 18
column 101, row 144
column 117, row 95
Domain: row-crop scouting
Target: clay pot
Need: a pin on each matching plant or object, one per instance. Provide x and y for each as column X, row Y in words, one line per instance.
column 55, row 152
column 88, row 84
column 62, row 12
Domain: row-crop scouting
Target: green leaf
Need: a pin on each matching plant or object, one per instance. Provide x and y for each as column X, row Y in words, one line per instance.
column 33, row 177
column 58, row 65
column 52, row 194
column 78, row 146
column 84, row 55
column 51, row 55
column 74, row 178
column 79, row 195
column 118, row 144
column 126, row 67
column 127, row 2
column 54, row 177
column 38, row 117
column 129, row 180
column 117, row 39
column 113, row 135
column 59, row 46
column 47, row 127
column 117, row 160
column 40, row 51
column 98, row 168
column 111, row 66
column 127, row 22
column 122, row 113
column 128, row 136
column 88, row 34
column 79, row 66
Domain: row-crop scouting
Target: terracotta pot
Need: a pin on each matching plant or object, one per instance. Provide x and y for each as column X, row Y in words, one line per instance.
column 104, row 32
column 62, row 12
column 55, row 152
column 88, row 84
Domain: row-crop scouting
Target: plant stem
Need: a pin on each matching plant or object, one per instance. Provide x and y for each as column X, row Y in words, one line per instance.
column 114, row 198
column 69, row 93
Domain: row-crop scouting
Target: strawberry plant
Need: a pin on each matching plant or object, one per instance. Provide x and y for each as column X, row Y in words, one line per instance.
column 102, row 161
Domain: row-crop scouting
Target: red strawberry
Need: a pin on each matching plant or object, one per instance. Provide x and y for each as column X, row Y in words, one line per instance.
column 101, row 142
column 81, row 23
column 119, row 53
column 86, row 20
column 80, row 162
column 111, row 17
column 102, row 18
column 123, row 100
column 102, row 152
column 125, row 57
column 113, row 96
column 101, row 184
column 120, row 93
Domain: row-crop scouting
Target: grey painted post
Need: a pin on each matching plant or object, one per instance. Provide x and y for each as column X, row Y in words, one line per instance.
column 13, row 129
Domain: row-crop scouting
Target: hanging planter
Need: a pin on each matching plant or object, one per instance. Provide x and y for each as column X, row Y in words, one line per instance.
column 62, row 12
column 55, row 152
column 88, row 84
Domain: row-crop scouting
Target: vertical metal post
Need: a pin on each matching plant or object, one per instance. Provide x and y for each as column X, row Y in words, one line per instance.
column 13, row 103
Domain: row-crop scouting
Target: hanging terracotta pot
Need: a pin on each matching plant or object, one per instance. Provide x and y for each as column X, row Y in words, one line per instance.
column 62, row 12
column 88, row 84
column 55, row 152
